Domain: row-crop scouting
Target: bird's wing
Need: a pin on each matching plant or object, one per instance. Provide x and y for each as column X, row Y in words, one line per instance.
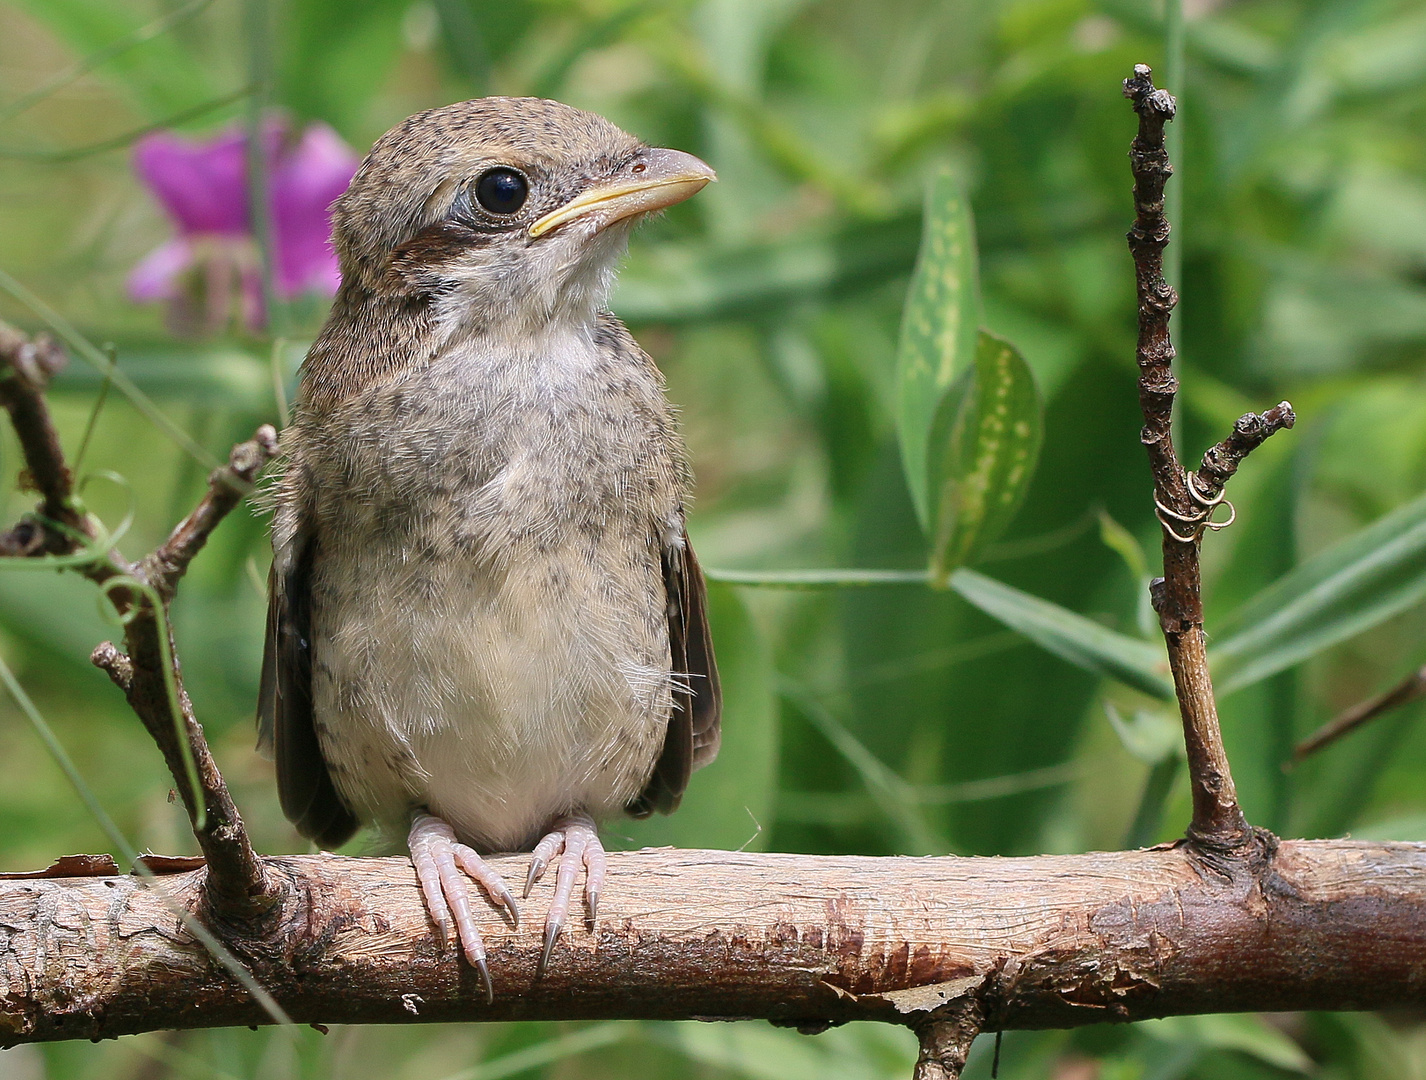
column 285, row 724
column 694, row 724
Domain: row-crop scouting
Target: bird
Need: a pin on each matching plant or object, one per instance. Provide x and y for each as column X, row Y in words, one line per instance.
column 487, row 630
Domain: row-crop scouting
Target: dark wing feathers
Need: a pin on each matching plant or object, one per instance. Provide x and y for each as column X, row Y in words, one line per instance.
column 304, row 786
column 693, row 727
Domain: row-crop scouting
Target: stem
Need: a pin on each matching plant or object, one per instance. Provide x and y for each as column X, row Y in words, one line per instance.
column 1174, row 70
column 946, row 1042
column 1218, row 822
column 1158, row 785
column 257, row 28
column 818, row 579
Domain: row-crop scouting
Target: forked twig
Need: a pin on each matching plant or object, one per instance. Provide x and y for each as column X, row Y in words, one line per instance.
column 1184, row 501
column 238, row 886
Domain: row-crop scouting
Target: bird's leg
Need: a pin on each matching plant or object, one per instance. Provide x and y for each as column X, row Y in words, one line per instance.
column 439, row 859
column 574, row 839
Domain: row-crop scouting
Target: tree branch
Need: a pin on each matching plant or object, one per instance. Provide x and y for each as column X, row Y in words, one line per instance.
column 237, row 887
column 1050, row 941
column 1184, row 501
column 1412, row 688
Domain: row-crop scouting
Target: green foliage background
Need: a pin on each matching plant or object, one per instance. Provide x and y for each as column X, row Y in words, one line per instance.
column 877, row 720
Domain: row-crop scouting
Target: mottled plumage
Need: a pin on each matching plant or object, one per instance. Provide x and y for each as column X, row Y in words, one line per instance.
column 484, row 610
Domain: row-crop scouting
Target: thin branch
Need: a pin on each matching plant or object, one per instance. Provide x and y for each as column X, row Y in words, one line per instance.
column 227, row 486
column 237, row 886
column 28, row 366
column 1221, row 460
column 1049, row 941
column 1184, row 502
column 945, row 1042
column 1412, row 688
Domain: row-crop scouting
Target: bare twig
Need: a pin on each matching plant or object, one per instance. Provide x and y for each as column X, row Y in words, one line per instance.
column 1184, row 501
column 945, row 1042
column 1412, row 688
column 226, row 488
column 237, row 886
column 28, row 367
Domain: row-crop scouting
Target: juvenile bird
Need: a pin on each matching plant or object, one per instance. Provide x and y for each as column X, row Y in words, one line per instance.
column 486, row 627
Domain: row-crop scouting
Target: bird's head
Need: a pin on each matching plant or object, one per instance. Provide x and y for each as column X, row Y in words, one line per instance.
column 515, row 208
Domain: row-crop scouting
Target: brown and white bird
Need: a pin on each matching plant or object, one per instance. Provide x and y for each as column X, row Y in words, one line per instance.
column 486, row 628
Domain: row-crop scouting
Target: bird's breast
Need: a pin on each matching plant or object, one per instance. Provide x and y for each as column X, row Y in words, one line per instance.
column 489, row 614
column 494, row 444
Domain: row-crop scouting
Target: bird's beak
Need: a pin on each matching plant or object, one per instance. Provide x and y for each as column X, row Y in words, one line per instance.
column 667, row 177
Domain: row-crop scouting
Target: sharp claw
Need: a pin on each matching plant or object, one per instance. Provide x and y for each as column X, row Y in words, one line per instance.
column 537, row 869
column 592, row 900
column 484, row 970
column 552, row 933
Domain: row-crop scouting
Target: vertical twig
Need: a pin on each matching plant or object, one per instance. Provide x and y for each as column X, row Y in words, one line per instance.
column 1184, row 501
column 257, row 29
column 946, row 1042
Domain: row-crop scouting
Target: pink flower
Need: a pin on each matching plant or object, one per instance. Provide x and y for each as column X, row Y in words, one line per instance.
column 211, row 266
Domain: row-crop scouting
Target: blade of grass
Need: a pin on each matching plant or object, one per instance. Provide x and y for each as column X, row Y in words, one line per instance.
column 95, row 356
column 1083, row 642
column 1351, row 587
column 130, row 853
column 817, row 579
column 1158, row 786
column 128, row 138
column 982, row 449
column 94, row 412
column 85, row 64
column 897, row 799
column 257, row 29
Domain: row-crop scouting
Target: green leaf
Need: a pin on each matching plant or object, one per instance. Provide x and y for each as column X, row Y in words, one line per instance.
column 158, row 71
column 940, row 328
column 984, row 444
column 1349, row 588
column 730, row 804
column 1083, row 642
column 1245, row 1033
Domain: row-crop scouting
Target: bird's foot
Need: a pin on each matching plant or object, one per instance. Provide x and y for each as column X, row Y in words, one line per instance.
column 574, row 839
column 439, row 859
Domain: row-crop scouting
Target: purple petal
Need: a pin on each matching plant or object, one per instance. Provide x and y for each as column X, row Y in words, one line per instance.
column 156, row 275
column 202, row 185
column 305, row 183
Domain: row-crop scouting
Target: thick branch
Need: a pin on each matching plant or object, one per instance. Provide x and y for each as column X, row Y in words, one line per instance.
column 1184, row 502
column 1052, row 941
column 238, row 888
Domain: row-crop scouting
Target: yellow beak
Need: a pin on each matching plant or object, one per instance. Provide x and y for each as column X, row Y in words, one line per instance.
column 667, row 177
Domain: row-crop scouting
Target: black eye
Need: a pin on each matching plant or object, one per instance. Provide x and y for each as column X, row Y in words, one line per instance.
column 502, row 191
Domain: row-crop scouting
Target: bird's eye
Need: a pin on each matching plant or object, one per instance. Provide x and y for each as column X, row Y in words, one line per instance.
column 502, row 191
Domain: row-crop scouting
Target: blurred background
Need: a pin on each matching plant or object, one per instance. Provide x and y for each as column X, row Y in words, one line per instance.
column 871, row 720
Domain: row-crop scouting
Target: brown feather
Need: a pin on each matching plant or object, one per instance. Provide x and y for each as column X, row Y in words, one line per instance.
column 285, row 721
column 691, row 741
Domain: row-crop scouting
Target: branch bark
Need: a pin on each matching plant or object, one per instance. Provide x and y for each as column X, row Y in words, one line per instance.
column 1050, row 941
